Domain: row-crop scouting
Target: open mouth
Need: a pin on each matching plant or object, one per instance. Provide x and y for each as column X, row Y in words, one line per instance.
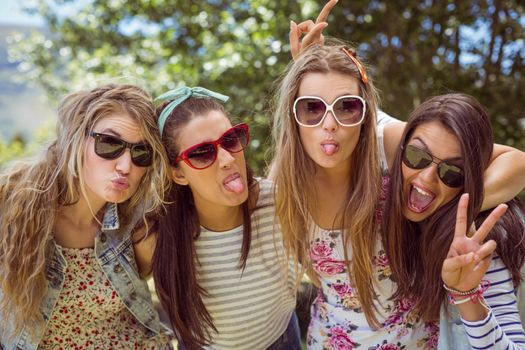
column 234, row 183
column 419, row 199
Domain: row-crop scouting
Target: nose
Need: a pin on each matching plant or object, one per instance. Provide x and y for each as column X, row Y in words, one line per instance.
column 329, row 122
column 225, row 158
column 124, row 162
column 429, row 174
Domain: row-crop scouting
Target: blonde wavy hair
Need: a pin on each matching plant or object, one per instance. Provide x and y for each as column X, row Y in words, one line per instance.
column 292, row 169
column 33, row 192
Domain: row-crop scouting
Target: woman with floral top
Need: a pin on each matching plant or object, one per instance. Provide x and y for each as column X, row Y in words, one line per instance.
column 68, row 276
column 326, row 181
column 328, row 192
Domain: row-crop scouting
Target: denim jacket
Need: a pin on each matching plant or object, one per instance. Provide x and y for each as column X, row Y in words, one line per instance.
column 114, row 253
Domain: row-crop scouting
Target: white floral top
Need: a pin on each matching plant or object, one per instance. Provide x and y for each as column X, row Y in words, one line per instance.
column 89, row 313
column 337, row 320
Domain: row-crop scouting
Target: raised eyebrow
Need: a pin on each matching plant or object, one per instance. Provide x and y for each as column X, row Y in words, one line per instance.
column 428, row 150
column 112, row 132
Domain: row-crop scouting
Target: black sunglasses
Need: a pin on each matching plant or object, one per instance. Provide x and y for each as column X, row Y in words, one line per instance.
column 111, row 147
column 416, row 158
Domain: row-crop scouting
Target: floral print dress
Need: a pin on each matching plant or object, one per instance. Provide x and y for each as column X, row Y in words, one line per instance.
column 89, row 313
column 338, row 321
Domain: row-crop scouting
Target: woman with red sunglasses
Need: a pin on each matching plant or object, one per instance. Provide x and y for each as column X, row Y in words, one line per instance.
column 220, row 273
column 67, row 272
column 446, row 147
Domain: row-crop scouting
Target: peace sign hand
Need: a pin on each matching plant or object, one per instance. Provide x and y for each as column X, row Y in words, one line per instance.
column 313, row 31
column 468, row 258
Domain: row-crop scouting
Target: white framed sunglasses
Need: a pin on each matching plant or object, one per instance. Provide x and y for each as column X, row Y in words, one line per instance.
column 348, row 110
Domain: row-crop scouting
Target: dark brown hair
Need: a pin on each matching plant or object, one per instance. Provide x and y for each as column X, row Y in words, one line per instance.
column 174, row 259
column 408, row 244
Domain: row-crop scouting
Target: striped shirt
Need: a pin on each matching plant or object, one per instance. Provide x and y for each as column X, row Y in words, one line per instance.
column 251, row 308
column 502, row 328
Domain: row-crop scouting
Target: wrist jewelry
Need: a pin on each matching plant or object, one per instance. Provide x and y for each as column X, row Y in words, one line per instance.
column 475, row 294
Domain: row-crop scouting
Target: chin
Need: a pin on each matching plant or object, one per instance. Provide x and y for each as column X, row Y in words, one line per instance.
column 243, row 197
column 118, row 198
column 413, row 216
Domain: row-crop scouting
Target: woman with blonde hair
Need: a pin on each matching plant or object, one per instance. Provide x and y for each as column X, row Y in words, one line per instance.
column 68, row 276
column 329, row 188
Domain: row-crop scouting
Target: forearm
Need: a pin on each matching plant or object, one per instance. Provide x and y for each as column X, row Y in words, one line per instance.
column 504, row 178
column 473, row 311
column 501, row 326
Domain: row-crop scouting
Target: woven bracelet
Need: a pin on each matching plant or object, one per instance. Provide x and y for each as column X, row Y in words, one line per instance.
column 475, row 295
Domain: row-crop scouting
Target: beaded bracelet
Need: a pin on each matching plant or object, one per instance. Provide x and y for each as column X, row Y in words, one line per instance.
column 475, row 295
column 458, row 292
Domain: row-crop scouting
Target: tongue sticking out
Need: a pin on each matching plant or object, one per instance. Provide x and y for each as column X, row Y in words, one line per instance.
column 235, row 185
column 329, row 148
column 418, row 200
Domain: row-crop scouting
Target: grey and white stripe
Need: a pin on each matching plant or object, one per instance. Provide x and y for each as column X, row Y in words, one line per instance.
column 251, row 308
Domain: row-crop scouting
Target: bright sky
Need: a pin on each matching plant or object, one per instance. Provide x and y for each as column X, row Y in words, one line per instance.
column 11, row 13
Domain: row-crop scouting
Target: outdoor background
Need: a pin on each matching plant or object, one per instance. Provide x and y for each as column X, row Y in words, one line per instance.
column 239, row 48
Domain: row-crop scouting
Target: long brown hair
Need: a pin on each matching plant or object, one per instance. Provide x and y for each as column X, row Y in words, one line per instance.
column 292, row 170
column 174, row 259
column 32, row 192
column 408, row 244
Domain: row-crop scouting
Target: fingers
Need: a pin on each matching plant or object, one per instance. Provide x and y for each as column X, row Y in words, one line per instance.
column 483, row 265
column 489, row 223
column 314, row 36
column 323, row 15
column 313, row 31
column 485, row 250
column 461, row 216
column 294, row 39
column 457, row 262
column 306, row 26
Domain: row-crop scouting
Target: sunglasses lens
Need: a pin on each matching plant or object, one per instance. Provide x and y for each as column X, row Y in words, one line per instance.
column 349, row 110
column 108, row 147
column 416, row 158
column 141, row 155
column 451, row 175
column 202, row 156
column 235, row 140
column 309, row 111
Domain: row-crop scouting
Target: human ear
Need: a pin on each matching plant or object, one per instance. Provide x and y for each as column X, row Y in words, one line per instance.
column 178, row 176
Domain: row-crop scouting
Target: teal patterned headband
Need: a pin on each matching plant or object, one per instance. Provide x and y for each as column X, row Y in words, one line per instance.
column 180, row 95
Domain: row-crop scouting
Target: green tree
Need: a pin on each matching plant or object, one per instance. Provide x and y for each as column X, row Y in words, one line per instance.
column 240, row 48
column 18, row 147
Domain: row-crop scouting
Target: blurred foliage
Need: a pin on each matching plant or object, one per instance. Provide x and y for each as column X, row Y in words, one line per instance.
column 239, row 47
column 18, row 147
